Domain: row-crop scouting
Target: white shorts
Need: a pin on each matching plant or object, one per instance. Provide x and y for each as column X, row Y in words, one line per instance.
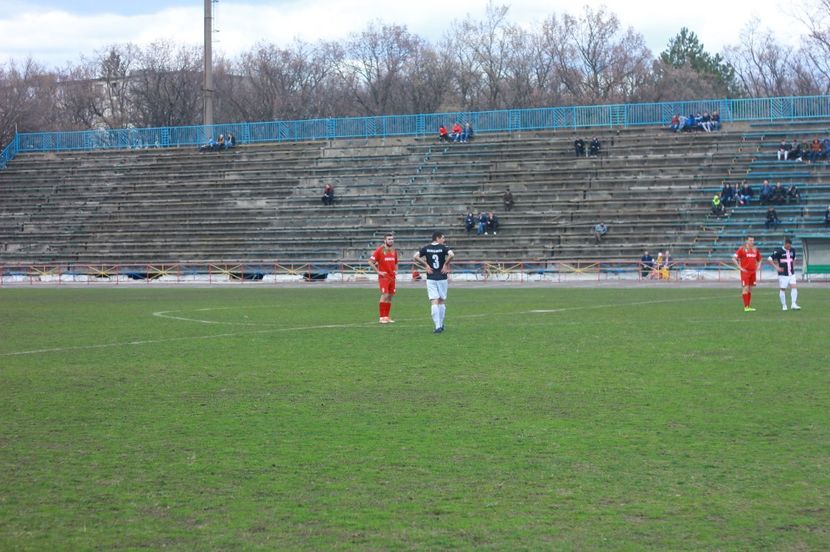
column 786, row 281
column 437, row 289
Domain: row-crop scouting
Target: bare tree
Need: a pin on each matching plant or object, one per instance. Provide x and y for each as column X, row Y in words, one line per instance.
column 763, row 66
column 816, row 45
column 28, row 99
column 166, row 88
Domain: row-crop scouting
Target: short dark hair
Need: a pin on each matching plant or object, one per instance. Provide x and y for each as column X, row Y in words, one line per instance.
column 436, row 235
column 788, row 240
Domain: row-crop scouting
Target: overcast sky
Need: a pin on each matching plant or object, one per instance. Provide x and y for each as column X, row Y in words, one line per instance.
column 57, row 32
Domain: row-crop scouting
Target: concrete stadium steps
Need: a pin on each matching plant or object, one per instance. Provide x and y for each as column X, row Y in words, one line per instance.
column 262, row 202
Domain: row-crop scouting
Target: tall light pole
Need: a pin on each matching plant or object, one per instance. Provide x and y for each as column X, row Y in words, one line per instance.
column 208, row 87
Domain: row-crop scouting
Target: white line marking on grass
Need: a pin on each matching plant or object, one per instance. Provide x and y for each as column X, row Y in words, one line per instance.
column 164, row 314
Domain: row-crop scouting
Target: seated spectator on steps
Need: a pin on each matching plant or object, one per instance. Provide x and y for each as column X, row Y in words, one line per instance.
column 745, row 195
column 600, row 229
column 706, row 122
column 793, row 195
column 784, row 150
column 443, row 135
column 717, row 206
column 796, row 153
column 766, row 193
column 328, row 195
column 675, row 123
column 727, row 195
column 579, row 147
column 457, row 131
column 715, row 123
column 825, row 149
column 467, row 135
column 482, row 223
column 815, row 150
column 772, row 218
column 230, row 141
column 779, row 194
column 827, row 217
column 507, row 199
column 646, row 264
column 469, row 221
column 595, row 146
column 492, row 223
column 210, row 146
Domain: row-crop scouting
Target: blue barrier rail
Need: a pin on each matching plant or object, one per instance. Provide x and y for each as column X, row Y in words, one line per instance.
column 617, row 115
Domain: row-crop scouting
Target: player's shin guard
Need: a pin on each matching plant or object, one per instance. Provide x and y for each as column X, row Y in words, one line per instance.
column 783, row 297
column 793, row 295
column 436, row 316
column 384, row 309
column 442, row 310
column 746, row 297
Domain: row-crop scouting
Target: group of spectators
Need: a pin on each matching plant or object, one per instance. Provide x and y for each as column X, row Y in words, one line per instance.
column 656, row 269
column 484, row 223
column 220, row 143
column 731, row 195
column 593, row 148
column 796, row 151
column 706, row 122
column 459, row 134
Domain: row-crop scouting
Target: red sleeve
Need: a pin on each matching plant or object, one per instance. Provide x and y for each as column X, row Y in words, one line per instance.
column 740, row 253
column 376, row 255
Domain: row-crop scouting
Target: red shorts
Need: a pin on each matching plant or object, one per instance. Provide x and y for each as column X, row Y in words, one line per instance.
column 387, row 285
column 748, row 278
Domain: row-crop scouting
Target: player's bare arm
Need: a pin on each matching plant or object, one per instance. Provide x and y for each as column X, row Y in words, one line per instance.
column 446, row 268
column 376, row 268
column 775, row 265
column 737, row 264
column 421, row 262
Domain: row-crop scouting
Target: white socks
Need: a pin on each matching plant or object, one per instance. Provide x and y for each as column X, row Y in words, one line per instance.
column 438, row 315
column 783, row 297
column 794, row 295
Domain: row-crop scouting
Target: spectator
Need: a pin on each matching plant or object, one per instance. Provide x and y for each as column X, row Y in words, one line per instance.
column 727, row 195
column 784, row 150
column 793, row 195
column 772, row 218
column 675, row 123
column 328, row 195
column 467, row 136
column 796, row 153
column 815, row 150
column 706, row 122
column 210, row 146
column 779, row 195
column 482, row 223
column 579, row 147
column 231, row 141
column 715, row 124
column 717, row 206
column 766, row 193
column 745, row 195
column 220, row 143
column 595, row 146
column 492, row 223
column 443, row 135
column 507, row 199
column 457, row 131
column 827, row 217
column 600, row 229
column 469, row 221
column 825, row 149
column 646, row 264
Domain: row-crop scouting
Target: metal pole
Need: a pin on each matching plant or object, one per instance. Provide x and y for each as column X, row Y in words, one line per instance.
column 208, row 87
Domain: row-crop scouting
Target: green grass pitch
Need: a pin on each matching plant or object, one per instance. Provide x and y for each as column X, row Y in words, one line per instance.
column 288, row 419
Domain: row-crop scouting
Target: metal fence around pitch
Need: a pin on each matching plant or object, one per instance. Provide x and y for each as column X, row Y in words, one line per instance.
column 510, row 120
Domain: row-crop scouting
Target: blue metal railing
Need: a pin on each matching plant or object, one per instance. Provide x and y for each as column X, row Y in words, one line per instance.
column 617, row 115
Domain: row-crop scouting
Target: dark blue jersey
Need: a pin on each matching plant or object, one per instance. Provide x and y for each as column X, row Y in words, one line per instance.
column 436, row 255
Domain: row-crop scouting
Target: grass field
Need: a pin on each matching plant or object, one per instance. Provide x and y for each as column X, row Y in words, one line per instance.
column 288, row 419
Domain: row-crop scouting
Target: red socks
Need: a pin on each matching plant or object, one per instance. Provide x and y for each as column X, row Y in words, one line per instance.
column 747, row 298
column 384, row 309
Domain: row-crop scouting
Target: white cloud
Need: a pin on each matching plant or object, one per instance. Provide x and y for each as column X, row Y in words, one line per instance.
column 57, row 36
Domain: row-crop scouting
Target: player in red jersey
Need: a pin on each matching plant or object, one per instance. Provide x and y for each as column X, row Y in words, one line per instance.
column 748, row 261
column 385, row 262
